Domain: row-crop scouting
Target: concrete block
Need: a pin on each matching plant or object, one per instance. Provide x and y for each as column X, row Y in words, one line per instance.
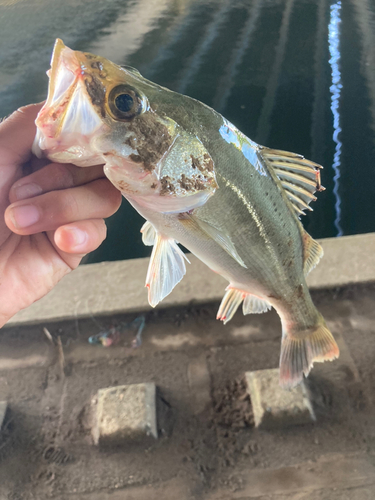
column 3, row 410
column 274, row 406
column 125, row 413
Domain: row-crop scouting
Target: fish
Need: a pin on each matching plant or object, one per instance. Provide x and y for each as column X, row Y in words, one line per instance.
column 200, row 182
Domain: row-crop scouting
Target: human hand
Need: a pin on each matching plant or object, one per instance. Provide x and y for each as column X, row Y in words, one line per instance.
column 54, row 218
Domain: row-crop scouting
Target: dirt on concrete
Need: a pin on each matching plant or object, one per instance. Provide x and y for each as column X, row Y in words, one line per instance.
column 208, row 447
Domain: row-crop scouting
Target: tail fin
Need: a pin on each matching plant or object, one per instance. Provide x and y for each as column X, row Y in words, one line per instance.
column 300, row 350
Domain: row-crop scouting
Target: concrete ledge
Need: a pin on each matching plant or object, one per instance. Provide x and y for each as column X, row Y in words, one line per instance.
column 118, row 287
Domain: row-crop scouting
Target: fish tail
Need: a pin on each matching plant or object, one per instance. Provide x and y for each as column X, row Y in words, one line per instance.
column 300, row 348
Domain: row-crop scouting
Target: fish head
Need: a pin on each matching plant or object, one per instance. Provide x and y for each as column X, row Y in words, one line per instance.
column 98, row 112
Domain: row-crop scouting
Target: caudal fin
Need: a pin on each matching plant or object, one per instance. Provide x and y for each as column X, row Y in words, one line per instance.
column 300, row 350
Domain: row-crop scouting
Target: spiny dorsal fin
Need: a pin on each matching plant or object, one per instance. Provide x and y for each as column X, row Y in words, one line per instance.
column 299, row 177
column 312, row 253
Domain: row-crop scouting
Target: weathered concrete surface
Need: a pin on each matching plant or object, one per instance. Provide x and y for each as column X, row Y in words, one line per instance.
column 3, row 410
column 125, row 413
column 113, row 287
column 199, row 383
column 46, row 448
column 274, row 406
column 330, row 471
column 333, row 476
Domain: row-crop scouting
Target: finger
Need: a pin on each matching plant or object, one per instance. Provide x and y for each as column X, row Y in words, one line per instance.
column 96, row 200
column 16, row 137
column 80, row 238
column 17, row 134
column 52, row 177
column 36, row 163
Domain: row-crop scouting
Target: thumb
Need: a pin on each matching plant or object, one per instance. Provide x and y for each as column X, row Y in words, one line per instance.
column 17, row 133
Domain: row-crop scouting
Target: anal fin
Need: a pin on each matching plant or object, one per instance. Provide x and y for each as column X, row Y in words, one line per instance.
column 165, row 270
column 230, row 303
column 233, row 299
column 299, row 351
column 255, row 305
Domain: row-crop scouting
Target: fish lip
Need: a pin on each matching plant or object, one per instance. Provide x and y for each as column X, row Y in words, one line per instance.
column 63, row 59
column 54, row 110
column 67, row 77
column 56, row 58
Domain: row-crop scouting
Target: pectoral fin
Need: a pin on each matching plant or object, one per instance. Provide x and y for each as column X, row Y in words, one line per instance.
column 165, row 270
column 221, row 238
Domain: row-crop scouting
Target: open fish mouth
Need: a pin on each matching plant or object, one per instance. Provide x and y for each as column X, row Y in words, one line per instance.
column 68, row 110
column 63, row 72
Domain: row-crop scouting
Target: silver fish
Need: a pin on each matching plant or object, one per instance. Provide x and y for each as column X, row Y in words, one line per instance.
column 198, row 181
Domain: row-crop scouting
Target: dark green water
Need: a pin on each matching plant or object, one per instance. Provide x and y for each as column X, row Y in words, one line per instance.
column 297, row 75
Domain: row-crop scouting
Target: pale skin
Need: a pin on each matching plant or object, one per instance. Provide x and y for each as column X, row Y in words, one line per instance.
column 51, row 215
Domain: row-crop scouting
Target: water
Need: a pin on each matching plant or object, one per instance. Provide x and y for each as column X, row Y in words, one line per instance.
column 292, row 74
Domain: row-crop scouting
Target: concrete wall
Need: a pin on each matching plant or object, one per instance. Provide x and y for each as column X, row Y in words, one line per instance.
column 114, row 287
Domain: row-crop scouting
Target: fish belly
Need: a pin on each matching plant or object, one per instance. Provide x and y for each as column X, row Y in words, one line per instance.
column 263, row 275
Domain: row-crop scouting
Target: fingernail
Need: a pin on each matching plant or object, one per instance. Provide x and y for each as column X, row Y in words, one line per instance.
column 27, row 191
column 76, row 236
column 24, row 216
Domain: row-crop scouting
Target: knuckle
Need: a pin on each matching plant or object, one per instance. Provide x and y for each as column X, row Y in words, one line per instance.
column 110, row 195
column 68, row 208
column 115, row 198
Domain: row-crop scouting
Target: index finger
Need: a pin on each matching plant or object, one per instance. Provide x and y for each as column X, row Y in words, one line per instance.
column 17, row 134
column 53, row 177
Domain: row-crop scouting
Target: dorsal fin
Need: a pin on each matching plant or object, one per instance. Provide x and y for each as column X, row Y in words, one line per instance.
column 299, row 177
column 312, row 253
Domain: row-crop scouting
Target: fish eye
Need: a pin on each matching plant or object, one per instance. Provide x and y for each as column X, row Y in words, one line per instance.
column 125, row 103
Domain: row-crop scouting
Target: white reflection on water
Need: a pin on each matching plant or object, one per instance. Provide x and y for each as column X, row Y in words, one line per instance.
column 126, row 34
column 334, row 50
column 264, row 122
column 228, row 80
column 193, row 65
